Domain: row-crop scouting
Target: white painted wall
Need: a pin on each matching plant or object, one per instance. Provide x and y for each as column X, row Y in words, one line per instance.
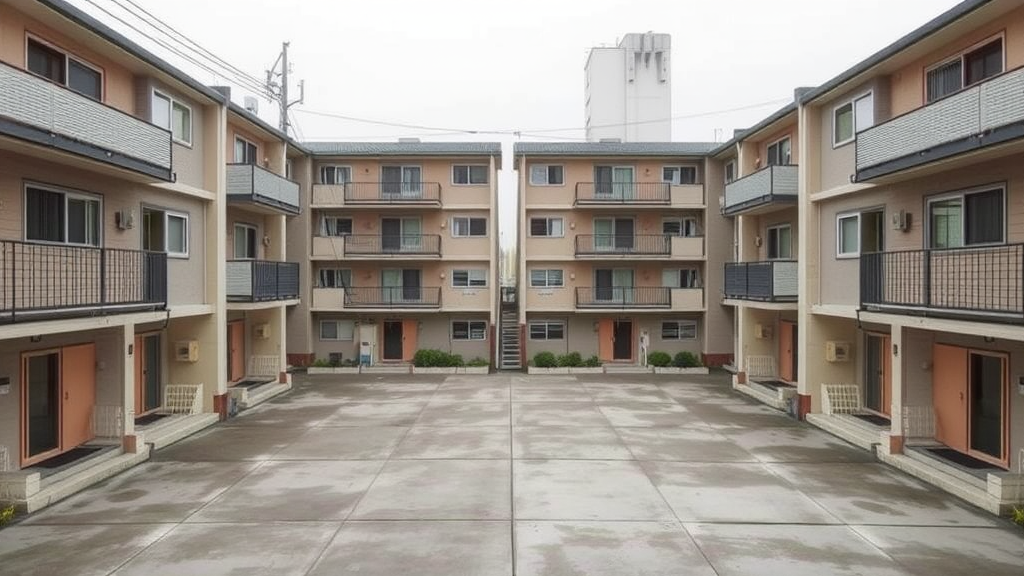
column 628, row 90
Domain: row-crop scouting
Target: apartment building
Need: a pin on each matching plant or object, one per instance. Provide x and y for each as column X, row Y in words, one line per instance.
column 111, row 252
column 618, row 251
column 911, row 230
column 401, row 248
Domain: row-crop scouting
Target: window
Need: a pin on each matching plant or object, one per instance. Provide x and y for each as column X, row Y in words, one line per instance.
column 403, row 181
column 335, row 174
column 550, row 330
column 686, row 226
column 245, row 152
column 546, row 175
column 245, row 241
column 469, row 278
column 852, row 117
column 964, row 70
column 548, row 278
column 337, row 330
column 679, row 175
column 859, row 233
column 469, row 330
column 681, row 278
column 464, row 226
column 730, row 171
column 967, row 219
column 64, row 217
column 546, row 227
column 164, row 231
column 64, row 69
column 780, row 242
column 780, row 153
column 335, row 226
column 469, row 175
column 335, row 278
column 679, row 330
column 172, row 115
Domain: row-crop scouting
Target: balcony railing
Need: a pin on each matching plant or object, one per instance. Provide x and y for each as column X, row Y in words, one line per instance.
column 614, row 193
column 984, row 283
column 393, row 297
column 393, row 193
column 771, row 281
column 43, row 281
column 769, row 185
column 624, row 297
column 623, row 245
column 42, row 112
column 986, row 114
column 393, row 245
column 262, row 280
column 251, row 183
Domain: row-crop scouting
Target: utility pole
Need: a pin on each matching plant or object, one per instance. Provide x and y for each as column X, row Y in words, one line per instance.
column 280, row 91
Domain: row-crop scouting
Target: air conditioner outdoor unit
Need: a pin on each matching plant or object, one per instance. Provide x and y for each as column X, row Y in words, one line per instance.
column 762, row 331
column 261, row 331
column 901, row 221
column 186, row 351
column 837, row 351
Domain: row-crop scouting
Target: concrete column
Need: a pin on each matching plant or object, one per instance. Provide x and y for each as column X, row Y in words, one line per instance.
column 811, row 336
column 211, row 369
column 897, row 354
column 128, row 353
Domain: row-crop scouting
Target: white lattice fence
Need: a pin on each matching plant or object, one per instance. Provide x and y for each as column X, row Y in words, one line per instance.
column 183, row 399
column 840, row 399
column 267, row 366
column 918, row 422
column 108, row 421
column 760, row 366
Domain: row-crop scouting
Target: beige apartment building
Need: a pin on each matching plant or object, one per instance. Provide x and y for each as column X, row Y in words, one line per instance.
column 399, row 247
column 617, row 251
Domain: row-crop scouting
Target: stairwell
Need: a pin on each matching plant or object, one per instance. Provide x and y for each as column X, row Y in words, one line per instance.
column 511, row 346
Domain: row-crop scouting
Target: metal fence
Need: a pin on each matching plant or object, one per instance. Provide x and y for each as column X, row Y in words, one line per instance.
column 623, row 193
column 393, row 192
column 393, row 297
column 632, row 244
column 393, row 244
column 262, row 280
column 623, row 297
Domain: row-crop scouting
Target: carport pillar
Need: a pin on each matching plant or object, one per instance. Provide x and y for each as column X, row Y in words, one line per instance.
column 130, row 441
column 896, row 395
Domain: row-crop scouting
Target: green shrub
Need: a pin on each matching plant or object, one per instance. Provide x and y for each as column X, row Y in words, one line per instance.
column 1018, row 516
column 430, row 358
column 6, row 515
column 659, row 359
column 570, row 360
column 592, row 362
column 545, row 360
column 320, row 363
column 686, row 360
column 478, row 362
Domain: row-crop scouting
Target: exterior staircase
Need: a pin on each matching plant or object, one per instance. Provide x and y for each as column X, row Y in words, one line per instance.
column 511, row 346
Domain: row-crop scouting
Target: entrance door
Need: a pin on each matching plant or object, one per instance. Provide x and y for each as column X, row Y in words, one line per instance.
column 613, row 234
column 987, row 400
column 41, row 410
column 411, row 285
column 602, row 285
column 392, row 340
column 147, row 373
column 949, row 395
column 78, row 384
column 236, row 351
column 391, row 234
column 623, row 340
column 787, row 351
column 878, row 374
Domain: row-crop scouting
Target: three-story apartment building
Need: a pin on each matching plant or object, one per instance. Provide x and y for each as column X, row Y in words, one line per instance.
column 912, row 264
column 613, row 244
column 402, row 244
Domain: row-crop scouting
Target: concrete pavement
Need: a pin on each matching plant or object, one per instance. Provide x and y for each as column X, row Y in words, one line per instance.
column 500, row 475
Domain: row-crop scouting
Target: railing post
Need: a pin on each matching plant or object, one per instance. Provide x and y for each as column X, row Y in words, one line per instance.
column 927, row 280
column 103, row 276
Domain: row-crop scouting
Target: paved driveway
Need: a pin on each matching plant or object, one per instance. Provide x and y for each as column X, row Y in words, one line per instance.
column 497, row 475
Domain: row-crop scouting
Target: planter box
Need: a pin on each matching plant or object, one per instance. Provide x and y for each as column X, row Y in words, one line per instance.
column 329, row 370
column 535, row 370
column 673, row 370
column 434, row 370
column 587, row 370
column 474, row 370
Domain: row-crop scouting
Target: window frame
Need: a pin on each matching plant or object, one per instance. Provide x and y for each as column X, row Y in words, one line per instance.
column 469, row 226
column 68, row 56
column 547, row 226
column 547, row 278
column 469, row 330
column 962, row 195
column 337, row 273
column 679, row 330
column 691, row 272
column 469, row 174
column 839, row 235
column 726, row 169
column 167, row 214
column 172, row 101
column 546, row 324
column 768, row 242
column 852, row 103
column 682, row 221
column 322, row 228
column 65, row 193
column 961, row 56
column 335, row 167
column 469, row 278
column 337, row 331
column 678, row 168
column 256, row 243
column 774, row 143
column 547, row 171
column 248, row 143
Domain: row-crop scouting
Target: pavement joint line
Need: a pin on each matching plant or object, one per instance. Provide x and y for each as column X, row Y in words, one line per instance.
column 512, row 482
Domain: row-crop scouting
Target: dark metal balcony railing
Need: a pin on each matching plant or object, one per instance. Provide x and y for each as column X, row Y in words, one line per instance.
column 262, row 280
column 392, row 193
column 48, row 281
column 393, row 245
column 623, row 193
column 984, row 282
column 256, row 184
column 624, row 297
column 393, row 297
column 771, row 281
column 777, row 183
column 619, row 244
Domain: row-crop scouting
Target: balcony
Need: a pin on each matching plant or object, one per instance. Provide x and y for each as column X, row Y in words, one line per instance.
column 391, row 297
column 40, row 112
column 771, row 281
column 393, row 246
column 980, row 117
column 262, row 189
column 622, row 297
column 985, row 283
column 377, row 194
column 653, row 246
column 262, row 281
column 47, row 281
column 617, row 194
column 763, row 191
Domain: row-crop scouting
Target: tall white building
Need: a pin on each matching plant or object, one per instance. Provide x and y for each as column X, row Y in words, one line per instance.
column 629, row 90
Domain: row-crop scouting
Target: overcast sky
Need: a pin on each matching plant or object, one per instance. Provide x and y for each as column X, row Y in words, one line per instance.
column 475, row 65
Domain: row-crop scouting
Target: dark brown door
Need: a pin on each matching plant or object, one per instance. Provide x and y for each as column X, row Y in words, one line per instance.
column 623, row 336
column 393, row 340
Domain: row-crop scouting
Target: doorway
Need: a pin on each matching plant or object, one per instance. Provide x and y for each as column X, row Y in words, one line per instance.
column 148, row 391
column 58, row 397
column 970, row 397
column 788, row 351
column 393, row 340
column 622, row 340
column 236, row 350
column 613, row 234
column 878, row 373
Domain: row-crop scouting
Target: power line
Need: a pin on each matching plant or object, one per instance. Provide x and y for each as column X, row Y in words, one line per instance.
column 670, row 119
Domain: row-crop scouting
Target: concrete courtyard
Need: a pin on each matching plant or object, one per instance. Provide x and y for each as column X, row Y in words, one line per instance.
column 500, row 475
